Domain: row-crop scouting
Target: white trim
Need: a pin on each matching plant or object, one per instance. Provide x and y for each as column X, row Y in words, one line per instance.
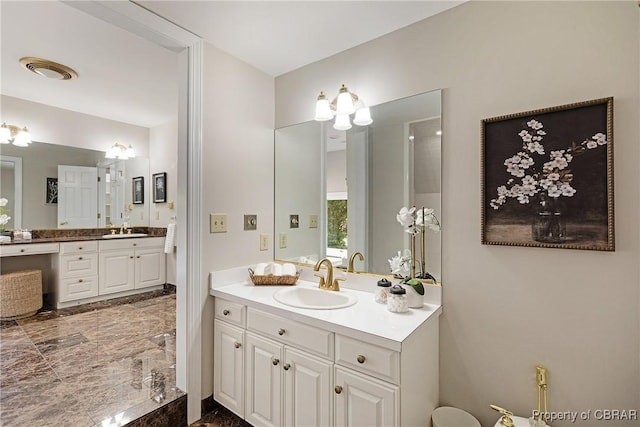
column 190, row 285
column 337, row 195
column 17, row 189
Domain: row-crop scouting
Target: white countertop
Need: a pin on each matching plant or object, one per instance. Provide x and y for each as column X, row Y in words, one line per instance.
column 366, row 320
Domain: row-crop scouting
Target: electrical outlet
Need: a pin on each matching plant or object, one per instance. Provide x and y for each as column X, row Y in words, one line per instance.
column 218, row 223
column 264, row 242
column 283, row 240
column 250, row 222
column 313, row 221
column 294, row 221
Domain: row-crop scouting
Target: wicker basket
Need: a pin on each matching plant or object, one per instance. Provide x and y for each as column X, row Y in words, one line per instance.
column 20, row 294
column 272, row 280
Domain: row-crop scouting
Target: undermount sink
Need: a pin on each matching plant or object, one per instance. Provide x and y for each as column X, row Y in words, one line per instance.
column 123, row 236
column 314, row 298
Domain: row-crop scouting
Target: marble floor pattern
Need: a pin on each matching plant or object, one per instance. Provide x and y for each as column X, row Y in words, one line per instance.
column 88, row 367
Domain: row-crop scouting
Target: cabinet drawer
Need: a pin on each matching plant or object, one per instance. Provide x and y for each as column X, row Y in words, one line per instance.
column 78, row 247
column 78, row 288
column 305, row 337
column 78, row 265
column 230, row 311
column 367, row 358
column 28, row 249
column 132, row 243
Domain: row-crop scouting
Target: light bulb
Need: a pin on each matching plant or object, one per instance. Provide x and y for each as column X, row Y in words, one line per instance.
column 344, row 104
column 323, row 108
column 23, row 138
column 342, row 122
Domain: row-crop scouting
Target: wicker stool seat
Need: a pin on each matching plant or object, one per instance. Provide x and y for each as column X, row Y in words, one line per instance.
column 20, row 294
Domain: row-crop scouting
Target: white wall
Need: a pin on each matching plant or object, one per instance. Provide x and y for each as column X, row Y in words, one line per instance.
column 508, row 308
column 237, row 178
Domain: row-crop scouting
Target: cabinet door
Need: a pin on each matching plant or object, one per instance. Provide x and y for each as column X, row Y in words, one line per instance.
column 150, row 267
column 364, row 401
column 307, row 390
column 116, row 271
column 228, row 366
column 263, row 381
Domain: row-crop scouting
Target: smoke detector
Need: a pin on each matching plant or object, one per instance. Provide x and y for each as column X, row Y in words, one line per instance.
column 48, row 69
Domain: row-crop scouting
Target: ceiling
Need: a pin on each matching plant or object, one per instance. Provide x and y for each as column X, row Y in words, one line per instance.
column 126, row 78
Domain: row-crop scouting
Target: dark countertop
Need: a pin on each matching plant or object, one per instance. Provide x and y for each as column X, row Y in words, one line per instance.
column 78, row 235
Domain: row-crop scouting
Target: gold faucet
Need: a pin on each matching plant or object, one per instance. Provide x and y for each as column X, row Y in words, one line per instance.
column 330, row 283
column 124, row 228
column 352, row 259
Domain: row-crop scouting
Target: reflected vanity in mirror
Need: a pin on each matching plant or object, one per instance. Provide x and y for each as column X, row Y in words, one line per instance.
column 91, row 191
column 348, row 186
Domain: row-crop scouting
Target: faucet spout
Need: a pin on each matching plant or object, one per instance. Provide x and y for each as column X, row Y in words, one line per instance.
column 328, row 282
column 352, row 260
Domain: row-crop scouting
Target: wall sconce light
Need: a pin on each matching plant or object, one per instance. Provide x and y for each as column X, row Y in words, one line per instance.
column 341, row 107
column 15, row 135
column 120, row 151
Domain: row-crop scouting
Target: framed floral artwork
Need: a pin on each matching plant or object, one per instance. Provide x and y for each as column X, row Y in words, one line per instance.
column 138, row 190
column 547, row 177
column 160, row 187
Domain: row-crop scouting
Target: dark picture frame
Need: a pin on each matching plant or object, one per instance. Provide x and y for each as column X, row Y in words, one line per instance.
column 547, row 177
column 160, row 187
column 138, row 190
column 51, row 191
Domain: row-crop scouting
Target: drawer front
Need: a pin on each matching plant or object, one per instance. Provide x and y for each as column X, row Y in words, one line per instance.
column 29, row 249
column 78, row 247
column 78, row 288
column 308, row 338
column 132, row 243
column 230, row 311
column 79, row 265
column 367, row 358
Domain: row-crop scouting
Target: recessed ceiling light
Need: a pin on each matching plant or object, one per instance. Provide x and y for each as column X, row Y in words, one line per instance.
column 48, row 69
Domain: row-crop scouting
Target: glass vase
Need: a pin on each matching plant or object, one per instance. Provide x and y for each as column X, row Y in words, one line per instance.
column 549, row 224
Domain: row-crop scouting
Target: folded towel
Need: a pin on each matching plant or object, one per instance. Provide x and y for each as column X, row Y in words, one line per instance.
column 169, row 240
column 288, row 269
column 273, row 268
column 5, row 239
column 259, row 270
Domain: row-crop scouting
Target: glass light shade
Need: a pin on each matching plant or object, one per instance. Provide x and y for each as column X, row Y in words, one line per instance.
column 323, row 110
column 23, row 138
column 5, row 134
column 129, row 152
column 342, row 122
column 363, row 117
column 344, row 105
column 110, row 154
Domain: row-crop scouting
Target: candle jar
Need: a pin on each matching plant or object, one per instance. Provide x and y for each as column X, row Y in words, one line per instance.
column 383, row 291
column 397, row 301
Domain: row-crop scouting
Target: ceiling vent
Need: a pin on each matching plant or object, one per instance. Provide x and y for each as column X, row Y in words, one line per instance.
column 48, row 69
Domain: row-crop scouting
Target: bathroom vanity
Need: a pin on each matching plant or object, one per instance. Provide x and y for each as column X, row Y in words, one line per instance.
column 91, row 269
column 360, row 365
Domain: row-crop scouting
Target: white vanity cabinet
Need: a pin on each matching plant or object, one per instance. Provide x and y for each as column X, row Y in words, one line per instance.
column 77, row 270
column 128, row 264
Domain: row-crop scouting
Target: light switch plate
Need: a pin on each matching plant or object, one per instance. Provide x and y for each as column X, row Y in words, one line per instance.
column 313, row 221
column 283, row 240
column 250, row 222
column 218, row 223
column 294, row 221
column 264, row 242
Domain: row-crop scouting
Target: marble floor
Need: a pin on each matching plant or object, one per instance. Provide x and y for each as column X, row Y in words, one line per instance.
column 89, row 366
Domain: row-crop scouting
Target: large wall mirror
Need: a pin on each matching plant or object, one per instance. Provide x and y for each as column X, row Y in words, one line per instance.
column 58, row 186
column 338, row 192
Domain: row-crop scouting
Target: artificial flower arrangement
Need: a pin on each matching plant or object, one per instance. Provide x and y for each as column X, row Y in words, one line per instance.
column 4, row 218
column 403, row 266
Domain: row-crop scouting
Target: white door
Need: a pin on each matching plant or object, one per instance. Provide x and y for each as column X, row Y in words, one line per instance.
column 364, row 401
column 228, row 367
column 77, row 196
column 307, row 390
column 116, row 271
column 263, row 381
column 150, row 267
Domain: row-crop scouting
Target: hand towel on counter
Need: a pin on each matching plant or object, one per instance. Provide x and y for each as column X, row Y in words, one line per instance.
column 170, row 238
column 288, row 269
column 259, row 270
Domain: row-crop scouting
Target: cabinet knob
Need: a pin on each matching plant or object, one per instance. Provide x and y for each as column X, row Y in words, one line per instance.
column 275, row 361
column 21, row 250
column 225, row 312
column 338, row 389
column 237, row 345
column 80, row 248
column 79, row 280
column 138, row 256
column 361, row 358
column 281, row 331
column 286, row 366
column 131, row 257
column 80, row 258
column 134, row 244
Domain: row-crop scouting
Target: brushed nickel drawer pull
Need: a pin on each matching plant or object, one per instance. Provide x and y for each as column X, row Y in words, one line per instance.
column 361, row 358
column 286, row 366
column 225, row 312
column 275, row 361
column 237, row 345
column 281, row 331
column 338, row 389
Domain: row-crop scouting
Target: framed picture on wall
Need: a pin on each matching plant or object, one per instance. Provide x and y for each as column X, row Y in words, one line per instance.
column 160, row 187
column 547, row 177
column 138, row 190
column 51, row 191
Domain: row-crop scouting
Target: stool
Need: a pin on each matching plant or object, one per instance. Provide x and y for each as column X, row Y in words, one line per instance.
column 20, row 294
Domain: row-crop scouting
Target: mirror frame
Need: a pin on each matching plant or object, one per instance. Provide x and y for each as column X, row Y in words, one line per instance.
column 17, row 189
